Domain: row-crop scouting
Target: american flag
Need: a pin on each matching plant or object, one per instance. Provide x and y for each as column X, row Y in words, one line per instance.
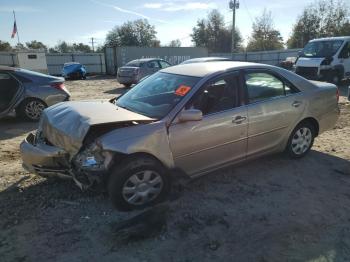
column 14, row 31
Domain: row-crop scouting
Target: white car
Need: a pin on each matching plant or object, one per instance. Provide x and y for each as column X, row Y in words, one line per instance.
column 325, row 59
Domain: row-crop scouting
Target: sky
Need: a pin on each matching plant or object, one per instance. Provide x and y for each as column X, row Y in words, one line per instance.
column 51, row 21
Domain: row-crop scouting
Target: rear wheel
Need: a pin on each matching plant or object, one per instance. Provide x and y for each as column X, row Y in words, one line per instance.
column 31, row 109
column 301, row 140
column 138, row 183
column 127, row 85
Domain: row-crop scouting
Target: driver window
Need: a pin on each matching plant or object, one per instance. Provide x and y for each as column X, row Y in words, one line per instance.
column 8, row 89
column 345, row 52
column 216, row 96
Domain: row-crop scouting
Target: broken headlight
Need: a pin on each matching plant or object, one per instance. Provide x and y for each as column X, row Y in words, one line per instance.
column 93, row 158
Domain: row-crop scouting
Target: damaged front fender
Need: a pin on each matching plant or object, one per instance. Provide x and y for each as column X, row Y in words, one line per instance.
column 151, row 139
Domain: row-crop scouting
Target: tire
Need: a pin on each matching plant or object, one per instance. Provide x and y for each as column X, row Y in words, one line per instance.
column 335, row 78
column 301, row 140
column 30, row 109
column 127, row 85
column 137, row 183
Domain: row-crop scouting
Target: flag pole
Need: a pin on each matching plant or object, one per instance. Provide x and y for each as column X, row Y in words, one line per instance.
column 14, row 16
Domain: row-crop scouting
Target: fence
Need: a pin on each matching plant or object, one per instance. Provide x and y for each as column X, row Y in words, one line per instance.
column 119, row 56
column 266, row 57
column 8, row 59
column 93, row 62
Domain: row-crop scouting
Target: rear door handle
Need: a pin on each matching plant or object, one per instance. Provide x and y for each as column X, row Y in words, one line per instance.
column 238, row 119
column 296, row 103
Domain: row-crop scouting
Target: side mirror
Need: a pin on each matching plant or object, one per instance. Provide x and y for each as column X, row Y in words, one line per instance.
column 190, row 115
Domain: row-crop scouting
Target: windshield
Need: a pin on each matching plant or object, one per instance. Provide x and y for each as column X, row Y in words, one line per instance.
column 157, row 95
column 321, row 48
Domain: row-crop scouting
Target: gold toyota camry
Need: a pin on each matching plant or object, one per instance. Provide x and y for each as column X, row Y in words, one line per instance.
column 191, row 119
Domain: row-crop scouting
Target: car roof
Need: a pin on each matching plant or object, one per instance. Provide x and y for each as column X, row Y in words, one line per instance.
column 202, row 69
column 144, row 59
column 331, row 38
column 210, row 58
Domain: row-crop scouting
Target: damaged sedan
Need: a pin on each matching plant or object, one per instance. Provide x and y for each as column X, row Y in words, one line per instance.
column 188, row 119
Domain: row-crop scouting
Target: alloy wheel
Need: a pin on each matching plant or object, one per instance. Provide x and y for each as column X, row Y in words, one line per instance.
column 301, row 141
column 33, row 109
column 142, row 187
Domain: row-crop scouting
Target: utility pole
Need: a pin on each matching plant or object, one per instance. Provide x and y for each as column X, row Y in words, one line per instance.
column 92, row 44
column 234, row 4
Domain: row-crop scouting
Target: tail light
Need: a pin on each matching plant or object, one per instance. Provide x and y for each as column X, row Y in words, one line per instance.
column 337, row 94
column 61, row 87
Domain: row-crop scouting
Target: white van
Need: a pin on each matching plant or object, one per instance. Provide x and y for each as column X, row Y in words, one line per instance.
column 326, row 59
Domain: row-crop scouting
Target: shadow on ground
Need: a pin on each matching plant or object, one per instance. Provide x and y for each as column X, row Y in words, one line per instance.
column 11, row 127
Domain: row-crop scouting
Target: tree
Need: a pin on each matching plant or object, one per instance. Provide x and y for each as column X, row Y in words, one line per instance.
column 64, row 47
column 5, row 46
column 213, row 34
column 36, row 45
column 264, row 35
column 320, row 19
column 80, row 47
column 20, row 46
column 133, row 33
column 175, row 43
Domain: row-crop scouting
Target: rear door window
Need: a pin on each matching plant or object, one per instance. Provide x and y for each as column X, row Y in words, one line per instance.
column 263, row 86
column 153, row 65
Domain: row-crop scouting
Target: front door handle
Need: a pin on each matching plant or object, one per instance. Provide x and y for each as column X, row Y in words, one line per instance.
column 296, row 103
column 238, row 119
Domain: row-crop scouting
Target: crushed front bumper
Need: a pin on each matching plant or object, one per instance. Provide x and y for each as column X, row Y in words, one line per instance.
column 43, row 159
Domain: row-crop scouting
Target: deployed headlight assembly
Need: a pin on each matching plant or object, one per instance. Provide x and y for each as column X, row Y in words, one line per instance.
column 93, row 158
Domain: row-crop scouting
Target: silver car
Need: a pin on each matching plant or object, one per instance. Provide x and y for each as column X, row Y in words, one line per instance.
column 190, row 119
column 135, row 70
column 28, row 92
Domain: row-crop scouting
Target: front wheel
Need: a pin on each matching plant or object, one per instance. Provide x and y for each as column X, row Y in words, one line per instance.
column 138, row 183
column 301, row 140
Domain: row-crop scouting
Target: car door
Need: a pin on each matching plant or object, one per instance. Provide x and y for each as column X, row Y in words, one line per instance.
column 152, row 67
column 220, row 137
column 274, row 107
column 344, row 59
column 11, row 91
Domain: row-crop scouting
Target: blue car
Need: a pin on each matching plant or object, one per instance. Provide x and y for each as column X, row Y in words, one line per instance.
column 73, row 70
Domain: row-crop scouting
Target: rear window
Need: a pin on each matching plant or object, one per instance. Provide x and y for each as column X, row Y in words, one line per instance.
column 134, row 63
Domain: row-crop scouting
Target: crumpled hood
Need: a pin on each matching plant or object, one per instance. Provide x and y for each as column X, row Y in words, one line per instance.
column 309, row 61
column 66, row 124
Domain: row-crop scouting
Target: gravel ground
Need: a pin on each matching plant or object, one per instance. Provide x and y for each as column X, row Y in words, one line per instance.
column 271, row 209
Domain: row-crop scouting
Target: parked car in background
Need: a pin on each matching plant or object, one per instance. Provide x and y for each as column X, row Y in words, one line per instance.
column 135, row 70
column 205, row 59
column 29, row 92
column 73, row 70
column 288, row 63
column 190, row 119
column 326, row 59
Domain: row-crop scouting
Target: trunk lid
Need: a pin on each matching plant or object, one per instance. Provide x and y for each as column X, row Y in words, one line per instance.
column 127, row 70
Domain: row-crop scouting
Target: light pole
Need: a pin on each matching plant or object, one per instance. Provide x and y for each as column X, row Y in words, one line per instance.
column 234, row 4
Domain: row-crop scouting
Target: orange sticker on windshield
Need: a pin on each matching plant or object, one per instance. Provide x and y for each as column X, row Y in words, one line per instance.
column 182, row 90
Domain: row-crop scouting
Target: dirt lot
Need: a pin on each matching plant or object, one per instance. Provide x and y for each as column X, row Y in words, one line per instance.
column 272, row 209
